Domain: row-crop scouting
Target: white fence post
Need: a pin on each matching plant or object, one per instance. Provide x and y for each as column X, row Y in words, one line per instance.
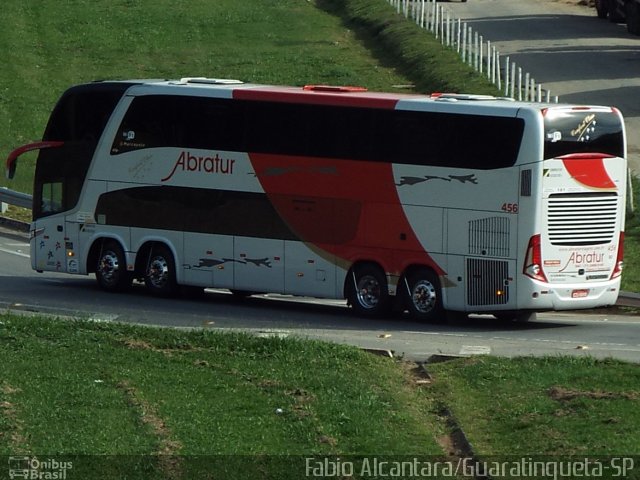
column 475, row 50
column 489, row 58
column 464, row 43
column 480, row 53
column 497, row 66
column 507, row 78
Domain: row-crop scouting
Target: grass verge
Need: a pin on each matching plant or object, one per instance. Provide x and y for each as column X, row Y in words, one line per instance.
column 116, row 399
column 544, row 406
column 631, row 274
column 83, row 388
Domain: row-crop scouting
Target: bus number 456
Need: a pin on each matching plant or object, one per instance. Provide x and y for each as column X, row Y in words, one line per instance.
column 510, row 207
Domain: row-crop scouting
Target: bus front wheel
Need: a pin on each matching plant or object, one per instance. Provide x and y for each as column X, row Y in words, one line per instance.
column 111, row 269
column 367, row 291
column 424, row 296
column 160, row 271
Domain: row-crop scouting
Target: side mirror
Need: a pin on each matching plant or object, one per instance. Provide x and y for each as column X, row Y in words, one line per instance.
column 12, row 159
column 11, row 169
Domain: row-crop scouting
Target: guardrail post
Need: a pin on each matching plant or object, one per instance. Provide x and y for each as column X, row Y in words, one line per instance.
column 18, row 199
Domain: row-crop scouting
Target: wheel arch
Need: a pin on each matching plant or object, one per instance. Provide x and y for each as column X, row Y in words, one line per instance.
column 96, row 247
column 348, row 281
column 414, row 273
column 412, row 268
column 145, row 247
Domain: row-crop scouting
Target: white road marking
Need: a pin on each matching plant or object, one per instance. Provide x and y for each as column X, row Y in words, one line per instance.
column 475, row 350
column 13, row 252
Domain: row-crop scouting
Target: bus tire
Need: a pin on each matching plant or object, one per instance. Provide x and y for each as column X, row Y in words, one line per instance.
column 367, row 291
column 518, row 317
column 111, row 268
column 614, row 15
column 601, row 8
column 160, row 271
column 424, row 296
column 633, row 18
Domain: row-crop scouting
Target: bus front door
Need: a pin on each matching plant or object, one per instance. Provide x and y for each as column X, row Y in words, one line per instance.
column 48, row 245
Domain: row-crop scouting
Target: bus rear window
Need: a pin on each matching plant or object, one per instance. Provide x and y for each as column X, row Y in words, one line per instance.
column 582, row 131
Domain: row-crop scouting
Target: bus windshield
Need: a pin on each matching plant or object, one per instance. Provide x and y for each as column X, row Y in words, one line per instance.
column 78, row 120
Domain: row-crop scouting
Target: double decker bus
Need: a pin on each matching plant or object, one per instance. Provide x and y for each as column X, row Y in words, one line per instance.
column 423, row 203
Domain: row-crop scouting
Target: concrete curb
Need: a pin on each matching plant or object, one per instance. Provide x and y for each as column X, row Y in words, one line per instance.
column 12, row 224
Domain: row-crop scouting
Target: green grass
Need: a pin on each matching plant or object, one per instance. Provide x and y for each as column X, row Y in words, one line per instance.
column 631, row 273
column 119, row 400
column 83, row 388
column 47, row 45
column 544, row 406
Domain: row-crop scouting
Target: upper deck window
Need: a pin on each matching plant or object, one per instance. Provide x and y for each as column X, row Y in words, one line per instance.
column 342, row 132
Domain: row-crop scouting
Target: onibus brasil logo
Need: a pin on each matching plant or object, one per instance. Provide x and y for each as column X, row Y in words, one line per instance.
column 34, row 468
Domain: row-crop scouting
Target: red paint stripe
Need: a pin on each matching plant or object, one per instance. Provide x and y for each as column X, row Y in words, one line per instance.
column 314, row 97
column 332, row 205
column 589, row 170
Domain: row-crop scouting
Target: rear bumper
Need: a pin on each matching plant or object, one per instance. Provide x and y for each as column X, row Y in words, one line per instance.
column 539, row 296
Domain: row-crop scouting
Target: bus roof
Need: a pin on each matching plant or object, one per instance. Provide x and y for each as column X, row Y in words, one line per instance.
column 323, row 94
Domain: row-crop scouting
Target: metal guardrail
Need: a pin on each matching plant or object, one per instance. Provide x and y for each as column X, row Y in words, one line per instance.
column 18, row 199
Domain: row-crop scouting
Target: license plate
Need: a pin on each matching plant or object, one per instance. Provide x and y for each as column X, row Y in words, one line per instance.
column 580, row 293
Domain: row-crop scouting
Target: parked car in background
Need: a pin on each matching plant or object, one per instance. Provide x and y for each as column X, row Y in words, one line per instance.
column 621, row 11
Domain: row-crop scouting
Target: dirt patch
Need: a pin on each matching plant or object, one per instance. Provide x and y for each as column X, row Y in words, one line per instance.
column 582, row 3
column 7, row 389
column 136, row 344
column 9, row 411
column 168, row 460
column 565, row 394
column 417, row 373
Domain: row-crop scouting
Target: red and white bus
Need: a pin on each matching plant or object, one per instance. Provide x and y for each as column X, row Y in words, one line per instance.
column 435, row 203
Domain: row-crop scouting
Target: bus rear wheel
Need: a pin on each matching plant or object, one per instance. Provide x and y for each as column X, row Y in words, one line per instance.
column 160, row 272
column 518, row 317
column 424, row 296
column 602, row 8
column 367, row 291
column 111, row 269
column 633, row 17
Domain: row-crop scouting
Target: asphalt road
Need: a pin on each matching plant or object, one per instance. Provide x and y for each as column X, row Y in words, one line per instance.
column 563, row 45
column 600, row 334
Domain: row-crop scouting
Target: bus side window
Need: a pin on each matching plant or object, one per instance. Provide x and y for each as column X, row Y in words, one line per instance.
column 211, row 123
column 151, row 121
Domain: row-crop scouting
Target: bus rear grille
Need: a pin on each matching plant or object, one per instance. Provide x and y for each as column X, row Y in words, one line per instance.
column 487, row 282
column 489, row 236
column 582, row 219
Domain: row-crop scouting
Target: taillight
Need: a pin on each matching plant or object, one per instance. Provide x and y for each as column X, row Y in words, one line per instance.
column 533, row 260
column 617, row 269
